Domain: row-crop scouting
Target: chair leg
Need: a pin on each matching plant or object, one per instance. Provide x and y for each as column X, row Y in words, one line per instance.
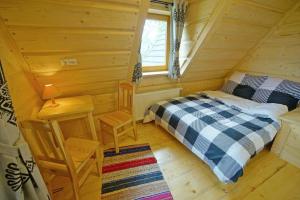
column 98, row 162
column 75, row 188
column 134, row 130
column 101, row 132
column 116, row 140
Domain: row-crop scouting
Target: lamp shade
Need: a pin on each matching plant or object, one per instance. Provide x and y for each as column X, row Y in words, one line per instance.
column 50, row 91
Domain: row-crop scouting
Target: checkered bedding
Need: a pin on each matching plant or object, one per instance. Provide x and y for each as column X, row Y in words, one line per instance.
column 221, row 135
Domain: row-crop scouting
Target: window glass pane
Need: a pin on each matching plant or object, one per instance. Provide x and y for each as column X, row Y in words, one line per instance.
column 154, row 40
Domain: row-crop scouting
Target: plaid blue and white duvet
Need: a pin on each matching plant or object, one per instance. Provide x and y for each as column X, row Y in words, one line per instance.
column 221, row 135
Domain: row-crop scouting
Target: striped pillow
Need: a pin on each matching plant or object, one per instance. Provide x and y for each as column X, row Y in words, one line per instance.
column 238, row 78
column 272, row 86
column 234, row 80
column 253, row 81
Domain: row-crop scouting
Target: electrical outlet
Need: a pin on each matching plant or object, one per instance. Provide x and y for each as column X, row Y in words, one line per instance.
column 68, row 61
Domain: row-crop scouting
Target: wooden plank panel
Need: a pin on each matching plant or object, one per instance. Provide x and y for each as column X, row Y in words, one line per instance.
column 278, row 4
column 273, row 68
column 199, row 10
column 206, row 75
column 64, row 78
column 274, row 187
column 229, row 42
column 254, row 15
column 287, row 40
column 52, row 63
column 197, row 86
column 132, row 2
column 37, row 13
column 22, row 87
column 238, row 28
column 289, row 54
column 100, row 87
column 295, row 18
column 212, row 65
column 219, row 54
column 41, row 40
column 289, row 29
column 105, row 103
column 192, row 31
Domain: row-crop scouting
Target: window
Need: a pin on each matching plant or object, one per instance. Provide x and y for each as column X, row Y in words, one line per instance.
column 155, row 43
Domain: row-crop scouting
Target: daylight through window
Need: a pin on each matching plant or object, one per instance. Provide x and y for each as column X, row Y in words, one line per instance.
column 155, row 43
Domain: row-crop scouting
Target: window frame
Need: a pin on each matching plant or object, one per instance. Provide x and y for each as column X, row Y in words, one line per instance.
column 160, row 17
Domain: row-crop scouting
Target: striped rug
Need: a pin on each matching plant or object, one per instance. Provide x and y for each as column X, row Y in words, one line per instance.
column 133, row 173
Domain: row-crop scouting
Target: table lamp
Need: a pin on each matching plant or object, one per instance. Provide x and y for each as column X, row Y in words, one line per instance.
column 50, row 92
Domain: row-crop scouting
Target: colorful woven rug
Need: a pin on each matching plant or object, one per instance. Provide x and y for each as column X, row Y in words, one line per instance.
column 133, row 173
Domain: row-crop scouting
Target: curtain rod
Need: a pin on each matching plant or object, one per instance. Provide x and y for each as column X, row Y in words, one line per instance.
column 161, row 2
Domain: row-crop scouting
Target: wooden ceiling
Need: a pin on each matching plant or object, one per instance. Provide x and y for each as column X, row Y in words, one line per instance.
column 233, row 29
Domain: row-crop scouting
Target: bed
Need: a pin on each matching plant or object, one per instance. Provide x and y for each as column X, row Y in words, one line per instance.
column 222, row 129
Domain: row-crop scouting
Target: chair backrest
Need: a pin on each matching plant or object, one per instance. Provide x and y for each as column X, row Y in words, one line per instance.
column 126, row 97
column 48, row 143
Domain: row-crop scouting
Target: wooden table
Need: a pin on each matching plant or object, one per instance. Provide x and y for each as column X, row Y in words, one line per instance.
column 70, row 108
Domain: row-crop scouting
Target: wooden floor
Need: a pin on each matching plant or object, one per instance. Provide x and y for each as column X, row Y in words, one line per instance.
column 266, row 176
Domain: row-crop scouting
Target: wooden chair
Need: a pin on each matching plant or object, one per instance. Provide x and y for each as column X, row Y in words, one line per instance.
column 73, row 157
column 121, row 121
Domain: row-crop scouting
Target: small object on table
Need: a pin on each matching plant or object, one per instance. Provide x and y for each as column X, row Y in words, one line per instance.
column 70, row 108
column 50, row 92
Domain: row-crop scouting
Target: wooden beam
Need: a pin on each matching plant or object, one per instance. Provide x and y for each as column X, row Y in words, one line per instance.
column 18, row 77
column 208, row 31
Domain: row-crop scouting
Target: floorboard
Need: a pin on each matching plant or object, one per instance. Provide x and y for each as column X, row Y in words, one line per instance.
column 266, row 176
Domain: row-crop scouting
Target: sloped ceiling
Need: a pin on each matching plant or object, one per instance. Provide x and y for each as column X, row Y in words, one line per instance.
column 234, row 28
column 278, row 53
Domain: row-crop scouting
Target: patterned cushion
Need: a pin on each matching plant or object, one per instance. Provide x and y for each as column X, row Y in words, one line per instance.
column 273, row 86
column 244, row 91
column 253, row 81
column 234, row 80
column 284, row 99
column 238, row 78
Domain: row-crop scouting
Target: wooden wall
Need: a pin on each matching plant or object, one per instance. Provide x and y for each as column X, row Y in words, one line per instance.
column 279, row 53
column 100, row 35
column 21, row 86
column 238, row 27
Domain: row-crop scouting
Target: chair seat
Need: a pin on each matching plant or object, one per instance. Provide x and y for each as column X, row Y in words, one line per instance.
column 81, row 150
column 116, row 119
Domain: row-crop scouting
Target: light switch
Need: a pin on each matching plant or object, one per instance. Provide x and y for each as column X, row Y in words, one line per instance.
column 68, row 61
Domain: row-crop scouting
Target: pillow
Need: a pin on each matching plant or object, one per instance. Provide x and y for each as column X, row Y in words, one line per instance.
column 275, row 89
column 284, row 99
column 238, row 78
column 244, row 91
column 253, row 81
column 234, row 80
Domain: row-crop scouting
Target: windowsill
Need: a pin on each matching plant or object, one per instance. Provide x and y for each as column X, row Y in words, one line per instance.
column 157, row 73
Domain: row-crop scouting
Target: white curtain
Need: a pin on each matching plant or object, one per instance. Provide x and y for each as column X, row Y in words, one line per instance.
column 178, row 13
column 20, row 177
